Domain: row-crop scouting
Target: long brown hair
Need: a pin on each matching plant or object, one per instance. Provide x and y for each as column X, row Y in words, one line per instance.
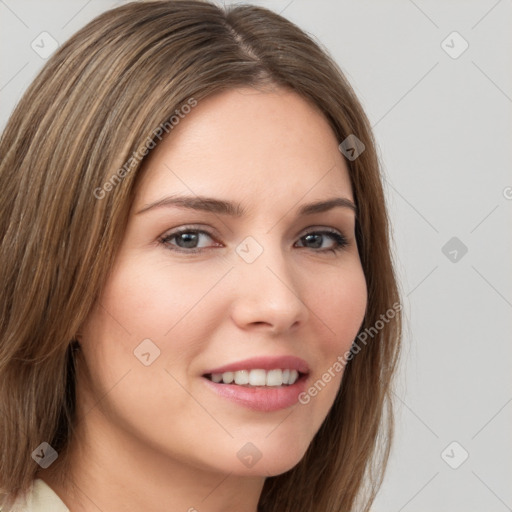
column 95, row 104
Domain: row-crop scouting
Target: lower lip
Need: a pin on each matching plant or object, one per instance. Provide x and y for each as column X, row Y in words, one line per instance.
column 260, row 398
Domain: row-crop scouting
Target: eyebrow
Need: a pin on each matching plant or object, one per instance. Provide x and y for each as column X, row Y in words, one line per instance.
column 218, row 206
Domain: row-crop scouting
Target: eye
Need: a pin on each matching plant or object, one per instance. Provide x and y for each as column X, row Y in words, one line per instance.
column 316, row 238
column 186, row 239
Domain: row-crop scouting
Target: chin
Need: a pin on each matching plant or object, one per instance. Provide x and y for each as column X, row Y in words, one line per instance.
column 270, row 466
column 267, row 457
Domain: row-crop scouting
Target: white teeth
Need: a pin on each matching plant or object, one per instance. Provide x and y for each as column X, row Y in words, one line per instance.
column 271, row 378
column 242, row 377
column 227, row 377
column 257, row 378
column 275, row 378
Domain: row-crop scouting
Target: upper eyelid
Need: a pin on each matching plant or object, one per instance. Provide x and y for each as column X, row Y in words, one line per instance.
column 213, row 231
column 184, row 229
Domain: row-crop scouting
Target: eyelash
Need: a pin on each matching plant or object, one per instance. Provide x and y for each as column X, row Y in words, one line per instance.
column 341, row 241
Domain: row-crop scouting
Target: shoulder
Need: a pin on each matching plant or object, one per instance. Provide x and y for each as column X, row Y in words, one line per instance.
column 40, row 497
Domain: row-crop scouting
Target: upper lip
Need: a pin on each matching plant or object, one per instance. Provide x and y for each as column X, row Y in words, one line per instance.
column 264, row 363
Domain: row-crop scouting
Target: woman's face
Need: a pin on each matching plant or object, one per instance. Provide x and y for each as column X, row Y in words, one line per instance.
column 266, row 288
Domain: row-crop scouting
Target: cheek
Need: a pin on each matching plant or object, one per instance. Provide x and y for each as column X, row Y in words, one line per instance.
column 169, row 305
column 341, row 305
column 150, row 299
column 340, row 309
column 139, row 304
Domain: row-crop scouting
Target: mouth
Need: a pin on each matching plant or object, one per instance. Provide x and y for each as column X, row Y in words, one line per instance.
column 251, row 391
column 264, row 384
column 258, row 377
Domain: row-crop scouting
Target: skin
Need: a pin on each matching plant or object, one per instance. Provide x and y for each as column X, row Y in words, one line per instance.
column 155, row 437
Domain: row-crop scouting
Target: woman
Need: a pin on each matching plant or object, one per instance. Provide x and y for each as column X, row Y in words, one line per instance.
column 200, row 310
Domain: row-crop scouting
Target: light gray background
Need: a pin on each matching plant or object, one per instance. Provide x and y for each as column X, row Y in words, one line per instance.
column 444, row 129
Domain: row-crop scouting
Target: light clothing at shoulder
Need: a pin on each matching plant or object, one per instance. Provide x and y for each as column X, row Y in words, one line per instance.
column 39, row 498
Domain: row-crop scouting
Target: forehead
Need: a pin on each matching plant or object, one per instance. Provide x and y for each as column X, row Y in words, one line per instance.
column 256, row 145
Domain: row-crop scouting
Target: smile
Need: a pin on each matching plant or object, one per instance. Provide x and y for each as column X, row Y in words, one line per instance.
column 257, row 377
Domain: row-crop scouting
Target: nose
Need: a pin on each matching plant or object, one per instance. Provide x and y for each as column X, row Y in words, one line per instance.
column 269, row 295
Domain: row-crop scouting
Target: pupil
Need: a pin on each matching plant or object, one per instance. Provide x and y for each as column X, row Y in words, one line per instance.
column 319, row 243
column 189, row 239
